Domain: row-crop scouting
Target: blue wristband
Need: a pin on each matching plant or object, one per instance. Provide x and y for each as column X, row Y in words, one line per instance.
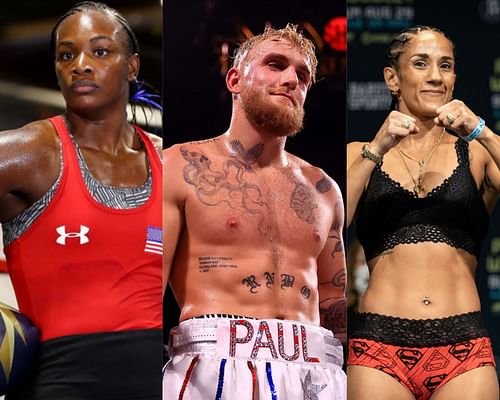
column 476, row 132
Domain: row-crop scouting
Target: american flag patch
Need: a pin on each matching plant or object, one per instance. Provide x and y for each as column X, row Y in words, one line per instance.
column 154, row 240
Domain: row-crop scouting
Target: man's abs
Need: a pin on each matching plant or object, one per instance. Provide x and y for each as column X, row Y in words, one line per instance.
column 220, row 283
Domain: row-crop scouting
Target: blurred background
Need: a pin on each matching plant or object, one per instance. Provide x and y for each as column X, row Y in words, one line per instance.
column 200, row 37
column 474, row 27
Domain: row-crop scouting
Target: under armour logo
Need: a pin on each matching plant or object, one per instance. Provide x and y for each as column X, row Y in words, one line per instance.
column 61, row 230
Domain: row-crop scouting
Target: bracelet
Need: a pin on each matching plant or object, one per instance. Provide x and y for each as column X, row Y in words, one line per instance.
column 476, row 132
column 366, row 153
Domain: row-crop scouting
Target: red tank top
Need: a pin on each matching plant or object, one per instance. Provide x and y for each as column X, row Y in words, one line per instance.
column 82, row 267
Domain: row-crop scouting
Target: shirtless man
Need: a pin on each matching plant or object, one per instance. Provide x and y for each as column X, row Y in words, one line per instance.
column 253, row 243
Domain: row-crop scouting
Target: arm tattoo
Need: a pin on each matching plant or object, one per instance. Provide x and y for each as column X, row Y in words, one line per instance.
column 335, row 318
column 302, row 202
column 335, row 231
column 338, row 280
column 337, row 248
column 323, row 185
column 336, row 221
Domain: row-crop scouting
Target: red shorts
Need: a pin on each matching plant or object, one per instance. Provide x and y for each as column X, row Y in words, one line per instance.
column 421, row 369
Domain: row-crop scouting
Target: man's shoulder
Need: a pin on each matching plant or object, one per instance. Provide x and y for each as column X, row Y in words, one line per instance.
column 192, row 148
column 315, row 176
column 309, row 170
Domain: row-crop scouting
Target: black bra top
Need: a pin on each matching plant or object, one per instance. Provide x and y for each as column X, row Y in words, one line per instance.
column 453, row 212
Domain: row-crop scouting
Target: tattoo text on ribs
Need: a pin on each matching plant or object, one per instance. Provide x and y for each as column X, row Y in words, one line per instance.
column 209, row 263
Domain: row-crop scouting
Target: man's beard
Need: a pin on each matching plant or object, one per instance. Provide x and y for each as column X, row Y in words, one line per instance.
column 275, row 119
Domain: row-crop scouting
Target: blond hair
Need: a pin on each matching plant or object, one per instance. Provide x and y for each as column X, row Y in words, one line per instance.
column 289, row 33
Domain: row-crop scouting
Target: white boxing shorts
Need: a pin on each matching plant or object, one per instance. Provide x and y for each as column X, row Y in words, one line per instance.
column 251, row 359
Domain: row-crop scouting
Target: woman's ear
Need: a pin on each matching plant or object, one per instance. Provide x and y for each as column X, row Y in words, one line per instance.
column 133, row 67
column 391, row 80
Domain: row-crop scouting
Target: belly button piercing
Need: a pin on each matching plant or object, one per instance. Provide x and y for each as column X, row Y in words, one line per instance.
column 426, row 300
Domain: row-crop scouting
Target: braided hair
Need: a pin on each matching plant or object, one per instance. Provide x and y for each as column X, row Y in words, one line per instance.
column 140, row 93
column 397, row 47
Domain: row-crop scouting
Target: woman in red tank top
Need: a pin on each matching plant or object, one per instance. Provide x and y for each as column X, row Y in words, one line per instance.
column 85, row 265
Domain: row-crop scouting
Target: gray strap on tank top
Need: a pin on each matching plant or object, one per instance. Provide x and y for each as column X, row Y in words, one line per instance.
column 110, row 196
